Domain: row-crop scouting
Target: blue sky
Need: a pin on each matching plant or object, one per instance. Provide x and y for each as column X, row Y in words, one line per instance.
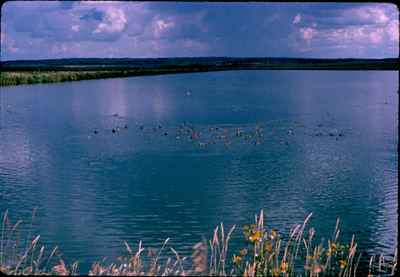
column 41, row 30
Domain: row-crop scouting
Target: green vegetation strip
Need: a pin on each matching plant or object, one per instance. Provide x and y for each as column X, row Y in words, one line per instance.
column 11, row 77
column 266, row 252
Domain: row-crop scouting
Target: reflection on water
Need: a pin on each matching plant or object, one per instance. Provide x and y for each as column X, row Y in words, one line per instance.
column 328, row 146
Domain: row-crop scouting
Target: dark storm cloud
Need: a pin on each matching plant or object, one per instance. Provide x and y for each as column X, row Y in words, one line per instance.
column 156, row 29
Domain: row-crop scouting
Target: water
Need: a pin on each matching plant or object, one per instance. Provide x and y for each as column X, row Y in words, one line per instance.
column 329, row 146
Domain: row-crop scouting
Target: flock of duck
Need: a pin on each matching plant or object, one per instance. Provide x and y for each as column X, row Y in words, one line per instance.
column 202, row 137
column 212, row 135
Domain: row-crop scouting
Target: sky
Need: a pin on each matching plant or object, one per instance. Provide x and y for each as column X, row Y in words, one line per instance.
column 65, row 29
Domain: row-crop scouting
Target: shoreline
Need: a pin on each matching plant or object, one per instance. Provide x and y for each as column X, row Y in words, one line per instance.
column 54, row 71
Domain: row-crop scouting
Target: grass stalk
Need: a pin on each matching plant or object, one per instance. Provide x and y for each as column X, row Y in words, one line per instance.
column 266, row 254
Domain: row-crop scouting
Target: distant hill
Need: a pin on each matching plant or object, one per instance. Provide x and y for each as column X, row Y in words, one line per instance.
column 214, row 62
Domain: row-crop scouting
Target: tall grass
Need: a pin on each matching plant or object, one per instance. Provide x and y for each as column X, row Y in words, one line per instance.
column 33, row 77
column 12, row 78
column 265, row 254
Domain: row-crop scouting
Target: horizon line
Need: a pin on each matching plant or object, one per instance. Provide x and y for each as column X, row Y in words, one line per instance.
column 197, row 57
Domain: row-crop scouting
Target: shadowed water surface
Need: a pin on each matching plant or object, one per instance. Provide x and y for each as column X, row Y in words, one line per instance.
column 327, row 145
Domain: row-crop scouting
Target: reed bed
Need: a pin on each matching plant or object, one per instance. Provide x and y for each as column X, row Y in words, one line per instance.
column 13, row 78
column 266, row 254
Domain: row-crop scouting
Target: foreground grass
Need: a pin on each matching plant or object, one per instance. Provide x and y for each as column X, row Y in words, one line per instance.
column 266, row 254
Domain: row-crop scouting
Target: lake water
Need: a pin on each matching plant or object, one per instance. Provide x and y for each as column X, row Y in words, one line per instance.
column 327, row 144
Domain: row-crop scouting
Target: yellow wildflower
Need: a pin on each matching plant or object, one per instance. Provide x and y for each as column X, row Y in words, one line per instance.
column 342, row 263
column 274, row 233
column 237, row 259
column 256, row 236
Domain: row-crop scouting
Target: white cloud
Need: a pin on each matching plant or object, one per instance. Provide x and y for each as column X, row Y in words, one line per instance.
column 114, row 21
column 373, row 14
column 359, row 35
column 297, row 19
column 376, row 36
column 75, row 28
column 307, row 33
column 162, row 26
column 356, row 30
column 392, row 30
column 88, row 28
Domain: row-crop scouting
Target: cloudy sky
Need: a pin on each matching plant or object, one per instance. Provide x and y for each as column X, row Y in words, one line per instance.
column 39, row 30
